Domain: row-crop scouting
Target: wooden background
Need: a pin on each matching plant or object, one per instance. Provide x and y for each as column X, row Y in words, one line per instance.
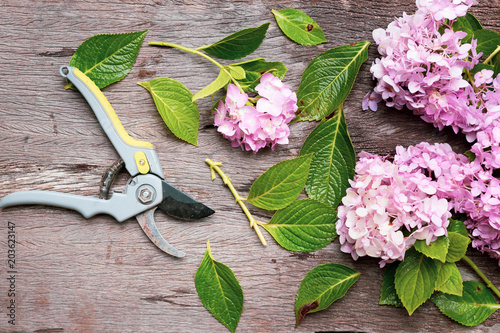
column 78, row 275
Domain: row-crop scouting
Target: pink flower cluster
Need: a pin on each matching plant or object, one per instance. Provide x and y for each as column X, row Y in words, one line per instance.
column 416, row 193
column 421, row 66
column 385, row 203
column 253, row 127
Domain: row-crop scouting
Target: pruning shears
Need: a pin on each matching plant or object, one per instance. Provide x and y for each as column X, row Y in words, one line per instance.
column 145, row 191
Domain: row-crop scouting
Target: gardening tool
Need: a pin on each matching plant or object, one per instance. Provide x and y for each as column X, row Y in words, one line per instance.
column 145, row 191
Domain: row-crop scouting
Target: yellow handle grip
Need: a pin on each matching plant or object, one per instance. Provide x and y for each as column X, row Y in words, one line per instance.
column 110, row 111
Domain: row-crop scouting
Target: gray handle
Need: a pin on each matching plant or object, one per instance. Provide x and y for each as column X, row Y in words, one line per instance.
column 139, row 156
column 121, row 206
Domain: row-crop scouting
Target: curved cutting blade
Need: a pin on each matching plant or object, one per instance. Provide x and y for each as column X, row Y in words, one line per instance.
column 178, row 204
column 147, row 223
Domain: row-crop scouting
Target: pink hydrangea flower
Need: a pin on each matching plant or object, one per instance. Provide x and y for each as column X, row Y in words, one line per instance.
column 253, row 127
column 385, row 202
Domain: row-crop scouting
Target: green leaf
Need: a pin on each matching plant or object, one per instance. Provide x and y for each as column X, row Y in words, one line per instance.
column 479, row 67
column 219, row 291
column 468, row 24
column 214, row 86
column 304, row 226
column 236, row 71
column 458, row 227
column 487, row 41
column 333, row 161
column 239, row 44
column 299, row 27
column 388, row 295
column 176, row 107
column 415, row 279
column 449, row 279
column 471, row 309
column 322, row 286
column 328, row 79
column 255, row 68
column 108, row 58
column 281, row 184
column 468, row 21
column 458, row 246
column 435, row 250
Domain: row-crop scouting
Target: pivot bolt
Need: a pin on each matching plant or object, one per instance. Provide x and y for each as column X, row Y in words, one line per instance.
column 146, row 194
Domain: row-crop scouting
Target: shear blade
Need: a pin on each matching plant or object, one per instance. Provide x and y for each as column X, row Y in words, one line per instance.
column 178, row 204
column 147, row 223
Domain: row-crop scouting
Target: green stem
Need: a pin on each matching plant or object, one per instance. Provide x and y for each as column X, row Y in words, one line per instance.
column 481, row 274
column 195, row 51
column 492, row 55
column 215, row 166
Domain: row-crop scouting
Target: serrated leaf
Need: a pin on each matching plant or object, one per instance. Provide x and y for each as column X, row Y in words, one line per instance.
column 299, row 27
column 328, row 79
column 458, row 246
column 458, row 227
column 236, row 71
column 304, row 226
column 322, row 286
column 333, row 161
column 281, row 184
column 388, row 295
column 222, row 79
column 436, row 250
column 219, row 291
column 239, row 44
column 415, row 279
column 255, row 68
column 449, row 279
column 108, row 58
column 468, row 24
column 472, row 308
column 487, row 41
column 176, row 107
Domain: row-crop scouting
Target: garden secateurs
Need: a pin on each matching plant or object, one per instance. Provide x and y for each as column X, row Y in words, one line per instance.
column 145, row 191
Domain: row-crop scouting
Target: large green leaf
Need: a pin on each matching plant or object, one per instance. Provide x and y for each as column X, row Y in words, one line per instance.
column 415, row 279
column 333, row 162
column 281, row 184
column 239, row 44
column 219, row 291
column 108, row 58
column 323, row 285
column 458, row 246
column 304, row 226
column 255, row 68
column 328, row 79
column 468, row 24
column 388, row 295
column 299, row 27
column 487, row 41
column 472, row 308
column 176, row 107
column 436, row 250
column 449, row 279
column 458, row 227
column 222, row 79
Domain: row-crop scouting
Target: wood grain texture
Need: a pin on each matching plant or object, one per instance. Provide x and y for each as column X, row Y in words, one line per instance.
column 97, row 275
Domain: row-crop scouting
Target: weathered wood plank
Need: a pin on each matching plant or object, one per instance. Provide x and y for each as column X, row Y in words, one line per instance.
column 99, row 275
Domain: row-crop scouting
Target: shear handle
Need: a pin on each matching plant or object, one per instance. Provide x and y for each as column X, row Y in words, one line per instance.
column 139, row 156
column 121, row 206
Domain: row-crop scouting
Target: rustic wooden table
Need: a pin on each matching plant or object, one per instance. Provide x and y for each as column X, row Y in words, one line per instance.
column 78, row 275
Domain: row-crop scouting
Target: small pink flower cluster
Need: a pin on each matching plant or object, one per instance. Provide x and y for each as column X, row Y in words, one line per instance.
column 431, row 175
column 265, row 124
column 385, row 202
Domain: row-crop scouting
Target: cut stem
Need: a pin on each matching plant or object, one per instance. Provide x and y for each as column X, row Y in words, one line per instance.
column 215, row 167
column 490, row 57
column 201, row 54
column 481, row 275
